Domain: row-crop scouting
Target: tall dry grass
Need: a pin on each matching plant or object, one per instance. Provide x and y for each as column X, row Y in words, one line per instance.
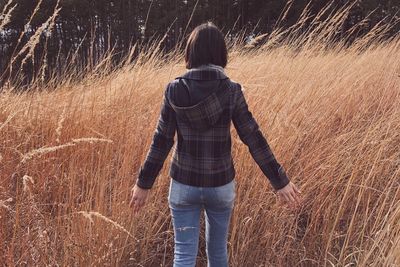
column 330, row 113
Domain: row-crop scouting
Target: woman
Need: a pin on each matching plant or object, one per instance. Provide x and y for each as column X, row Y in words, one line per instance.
column 199, row 106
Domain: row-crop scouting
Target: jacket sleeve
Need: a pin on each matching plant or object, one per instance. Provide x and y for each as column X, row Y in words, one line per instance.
column 250, row 134
column 163, row 140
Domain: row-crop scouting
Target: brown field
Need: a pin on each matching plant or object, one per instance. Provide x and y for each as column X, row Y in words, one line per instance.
column 68, row 158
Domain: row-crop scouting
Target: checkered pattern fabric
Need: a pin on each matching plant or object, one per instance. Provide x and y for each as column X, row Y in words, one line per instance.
column 202, row 154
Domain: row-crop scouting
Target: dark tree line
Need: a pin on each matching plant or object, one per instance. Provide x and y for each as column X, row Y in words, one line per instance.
column 86, row 29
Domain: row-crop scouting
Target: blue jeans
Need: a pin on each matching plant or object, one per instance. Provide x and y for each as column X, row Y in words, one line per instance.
column 186, row 203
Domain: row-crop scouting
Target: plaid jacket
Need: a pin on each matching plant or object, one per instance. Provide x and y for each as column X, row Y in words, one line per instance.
column 202, row 155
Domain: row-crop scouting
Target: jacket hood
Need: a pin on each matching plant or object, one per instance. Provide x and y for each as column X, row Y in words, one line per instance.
column 205, row 93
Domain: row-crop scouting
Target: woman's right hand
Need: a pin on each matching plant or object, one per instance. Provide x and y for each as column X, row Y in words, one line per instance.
column 138, row 199
column 290, row 194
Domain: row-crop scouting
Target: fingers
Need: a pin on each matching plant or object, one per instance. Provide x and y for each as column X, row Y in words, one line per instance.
column 281, row 197
column 297, row 193
column 285, row 197
column 296, row 189
column 291, row 200
column 290, row 196
column 136, row 207
column 134, row 198
column 137, row 204
column 132, row 202
column 296, row 197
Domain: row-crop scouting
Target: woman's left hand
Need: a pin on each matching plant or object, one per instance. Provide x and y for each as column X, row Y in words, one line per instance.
column 138, row 199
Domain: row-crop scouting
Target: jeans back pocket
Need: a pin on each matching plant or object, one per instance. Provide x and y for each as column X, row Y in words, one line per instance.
column 179, row 193
column 224, row 196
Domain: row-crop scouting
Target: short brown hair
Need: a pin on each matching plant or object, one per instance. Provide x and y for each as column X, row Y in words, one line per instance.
column 206, row 45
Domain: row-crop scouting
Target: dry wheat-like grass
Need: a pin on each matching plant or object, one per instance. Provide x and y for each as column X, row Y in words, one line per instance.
column 44, row 150
column 330, row 113
column 5, row 17
column 90, row 214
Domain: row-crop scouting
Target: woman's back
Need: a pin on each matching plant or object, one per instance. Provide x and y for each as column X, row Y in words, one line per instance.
column 203, row 153
column 202, row 156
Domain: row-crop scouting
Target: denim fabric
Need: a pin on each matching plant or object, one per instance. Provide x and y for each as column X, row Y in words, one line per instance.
column 186, row 203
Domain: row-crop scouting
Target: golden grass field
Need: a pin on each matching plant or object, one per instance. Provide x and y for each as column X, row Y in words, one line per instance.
column 69, row 157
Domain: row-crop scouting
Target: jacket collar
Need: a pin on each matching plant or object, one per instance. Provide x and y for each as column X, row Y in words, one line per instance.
column 205, row 72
